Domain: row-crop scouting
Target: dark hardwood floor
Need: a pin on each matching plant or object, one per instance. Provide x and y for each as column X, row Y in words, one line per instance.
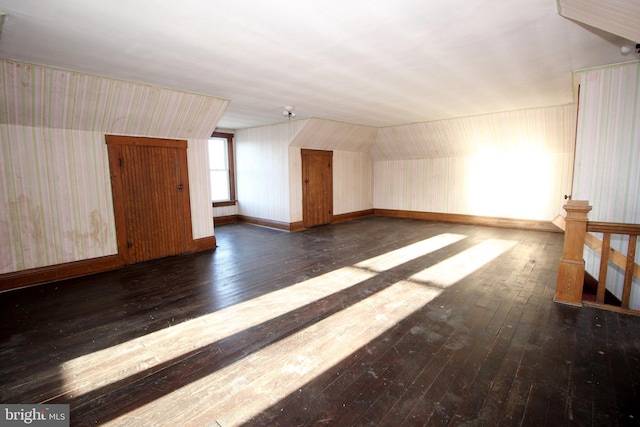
column 375, row 321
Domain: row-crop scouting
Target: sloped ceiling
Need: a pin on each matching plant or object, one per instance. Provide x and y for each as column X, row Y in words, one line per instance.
column 621, row 17
column 46, row 97
column 330, row 135
column 377, row 63
column 520, row 131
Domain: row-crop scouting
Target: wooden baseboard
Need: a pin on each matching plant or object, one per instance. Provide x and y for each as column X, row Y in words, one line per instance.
column 52, row 273
column 286, row 226
column 299, row 225
column 205, row 243
column 296, row 226
column 471, row 219
column 228, row 219
column 353, row 215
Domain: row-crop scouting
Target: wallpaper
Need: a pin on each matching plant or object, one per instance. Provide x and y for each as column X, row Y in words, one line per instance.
column 608, row 157
column 56, row 197
column 262, row 170
column 330, row 135
column 618, row 17
column 52, row 98
column 55, row 190
column 515, row 165
column 353, row 182
column 269, row 167
column 199, row 186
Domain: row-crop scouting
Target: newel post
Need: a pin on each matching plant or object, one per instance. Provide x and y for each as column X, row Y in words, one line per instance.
column 571, row 269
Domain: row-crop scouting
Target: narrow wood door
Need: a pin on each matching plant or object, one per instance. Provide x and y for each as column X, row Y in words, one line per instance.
column 151, row 197
column 317, row 187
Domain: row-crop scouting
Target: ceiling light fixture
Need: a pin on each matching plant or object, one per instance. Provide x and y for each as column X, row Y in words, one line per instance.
column 288, row 112
column 627, row 48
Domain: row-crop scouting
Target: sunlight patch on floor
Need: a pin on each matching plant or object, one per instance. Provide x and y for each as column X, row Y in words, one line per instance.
column 241, row 390
column 407, row 253
column 457, row 267
column 103, row 367
column 145, row 352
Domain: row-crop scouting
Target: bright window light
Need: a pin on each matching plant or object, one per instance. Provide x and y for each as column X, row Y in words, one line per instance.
column 219, row 169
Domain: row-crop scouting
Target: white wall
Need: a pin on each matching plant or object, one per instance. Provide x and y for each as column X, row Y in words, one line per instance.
column 199, row 188
column 512, row 165
column 608, row 158
column 262, row 170
column 352, row 182
column 269, row 167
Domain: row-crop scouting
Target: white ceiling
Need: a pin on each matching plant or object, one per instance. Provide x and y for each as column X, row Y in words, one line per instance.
column 369, row 62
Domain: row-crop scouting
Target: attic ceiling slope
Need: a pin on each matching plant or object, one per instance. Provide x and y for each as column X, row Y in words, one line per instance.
column 38, row 96
column 373, row 63
column 539, row 130
column 322, row 134
column 620, row 17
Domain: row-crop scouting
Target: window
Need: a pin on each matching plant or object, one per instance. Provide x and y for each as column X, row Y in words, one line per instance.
column 221, row 169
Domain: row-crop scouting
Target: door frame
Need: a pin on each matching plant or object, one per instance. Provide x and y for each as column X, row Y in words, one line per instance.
column 306, row 153
column 117, row 187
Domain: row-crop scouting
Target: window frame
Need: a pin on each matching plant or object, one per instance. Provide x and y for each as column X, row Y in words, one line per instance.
column 232, row 173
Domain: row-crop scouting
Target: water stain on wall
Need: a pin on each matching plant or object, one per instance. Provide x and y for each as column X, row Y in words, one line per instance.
column 93, row 234
column 26, row 227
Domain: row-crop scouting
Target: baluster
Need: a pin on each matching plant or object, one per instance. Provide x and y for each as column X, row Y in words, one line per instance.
column 628, row 273
column 604, row 264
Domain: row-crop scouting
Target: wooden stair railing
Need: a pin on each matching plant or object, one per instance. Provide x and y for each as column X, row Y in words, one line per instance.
column 571, row 269
column 630, row 267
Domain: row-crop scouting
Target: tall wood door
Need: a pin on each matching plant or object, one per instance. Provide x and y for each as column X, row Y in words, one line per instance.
column 317, row 187
column 151, row 197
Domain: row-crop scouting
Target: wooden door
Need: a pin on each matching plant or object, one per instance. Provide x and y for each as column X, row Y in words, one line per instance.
column 151, row 197
column 317, row 187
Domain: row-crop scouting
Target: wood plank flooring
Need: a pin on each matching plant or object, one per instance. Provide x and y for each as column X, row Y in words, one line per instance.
column 375, row 321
